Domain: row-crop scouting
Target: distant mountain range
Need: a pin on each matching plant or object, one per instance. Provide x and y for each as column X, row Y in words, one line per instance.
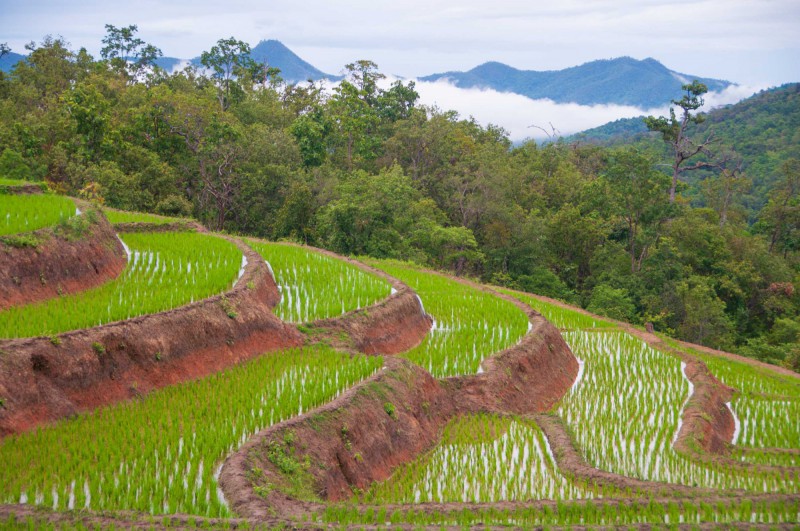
column 623, row 81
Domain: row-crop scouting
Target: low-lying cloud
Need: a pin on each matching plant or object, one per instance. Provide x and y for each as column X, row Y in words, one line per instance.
column 526, row 118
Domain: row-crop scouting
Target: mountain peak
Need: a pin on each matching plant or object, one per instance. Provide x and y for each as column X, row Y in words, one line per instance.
column 644, row 83
column 293, row 68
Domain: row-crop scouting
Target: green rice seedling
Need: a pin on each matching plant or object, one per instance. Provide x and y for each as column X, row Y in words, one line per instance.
column 26, row 213
column 164, row 271
column 635, row 396
column 469, row 326
column 122, row 216
column 315, row 286
column 163, row 454
column 561, row 317
column 749, row 380
column 482, row 458
column 758, row 457
column 767, row 423
column 765, row 407
column 591, row 513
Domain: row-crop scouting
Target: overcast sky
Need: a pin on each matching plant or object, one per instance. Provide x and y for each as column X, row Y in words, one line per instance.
column 752, row 42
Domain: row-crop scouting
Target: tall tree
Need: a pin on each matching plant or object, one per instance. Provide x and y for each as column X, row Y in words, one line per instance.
column 128, row 53
column 674, row 131
column 637, row 192
column 229, row 60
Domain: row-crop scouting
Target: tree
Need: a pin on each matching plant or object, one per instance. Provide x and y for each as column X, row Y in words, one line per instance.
column 722, row 191
column 126, row 52
column 4, row 49
column 674, row 131
column 781, row 215
column 228, row 61
column 637, row 193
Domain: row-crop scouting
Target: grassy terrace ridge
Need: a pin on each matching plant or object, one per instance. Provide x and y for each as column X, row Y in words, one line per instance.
column 27, row 213
column 316, row 286
column 161, row 454
column 165, row 271
column 470, row 325
column 484, row 458
column 123, row 216
column 14, row 182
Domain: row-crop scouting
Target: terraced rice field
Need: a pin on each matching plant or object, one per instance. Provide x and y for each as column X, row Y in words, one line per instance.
column 164, row 271
column 484, row 458
column 315, row 286
column 161, row 454
column 470, row 325
column 26, row 213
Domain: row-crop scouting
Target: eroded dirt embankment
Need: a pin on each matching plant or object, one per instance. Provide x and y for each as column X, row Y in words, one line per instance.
column 387, row 420
column 41, row 381
column 63, row 261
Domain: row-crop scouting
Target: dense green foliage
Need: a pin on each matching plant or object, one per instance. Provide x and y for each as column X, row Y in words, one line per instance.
column 26, row 213
column 165, row 270
column 363, row 169
column 762, row 130
column 162, row 454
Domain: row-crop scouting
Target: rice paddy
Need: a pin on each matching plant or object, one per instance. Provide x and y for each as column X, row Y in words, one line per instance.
column 470, row 325
column 315, row 286
column 560, row 317
column 164, row 271
column 26, row 213
column 635, row 396
column 634, row 513
column 483, row 458
column 162, row 454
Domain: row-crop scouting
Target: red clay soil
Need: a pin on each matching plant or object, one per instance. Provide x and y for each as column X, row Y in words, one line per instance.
column 41, row 381
column 59, row 265
column 390, row 419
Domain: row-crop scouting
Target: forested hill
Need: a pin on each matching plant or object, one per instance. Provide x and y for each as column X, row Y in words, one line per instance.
column 763, row 129
column 624, row 81
column 366, row 170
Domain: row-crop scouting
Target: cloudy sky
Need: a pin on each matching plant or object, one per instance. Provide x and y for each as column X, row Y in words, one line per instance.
column 755, row 43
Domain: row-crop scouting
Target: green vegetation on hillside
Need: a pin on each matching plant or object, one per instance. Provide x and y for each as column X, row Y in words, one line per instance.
column 165, row 270
column 363, row 169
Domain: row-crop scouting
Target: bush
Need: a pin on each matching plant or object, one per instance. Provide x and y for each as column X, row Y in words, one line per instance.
column 612, row 302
